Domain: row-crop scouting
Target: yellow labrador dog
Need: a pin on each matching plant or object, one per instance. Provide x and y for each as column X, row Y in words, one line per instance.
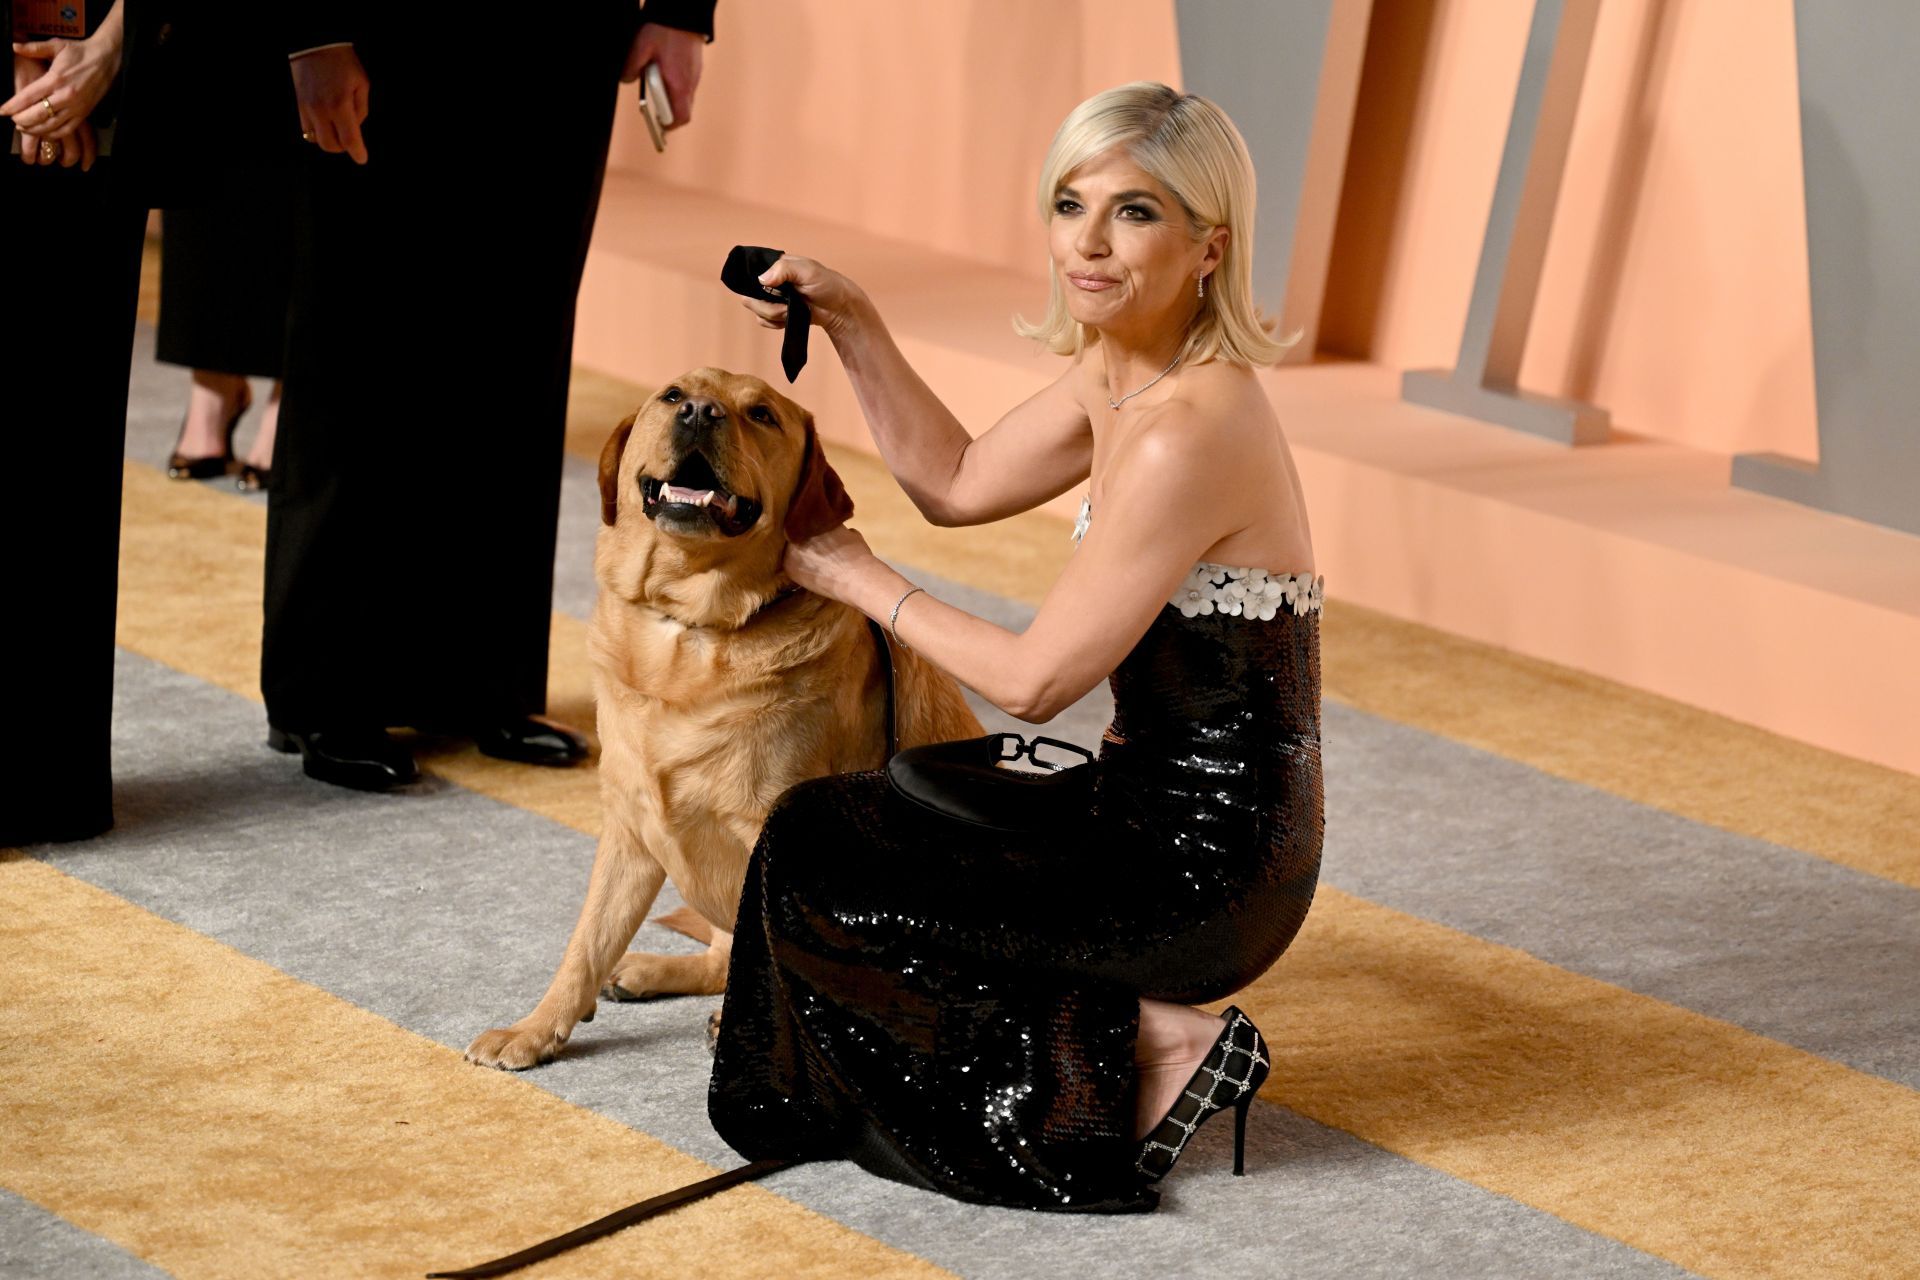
column 718, row 684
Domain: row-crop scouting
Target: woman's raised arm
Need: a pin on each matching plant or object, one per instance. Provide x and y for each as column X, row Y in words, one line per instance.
column 1159, row 516
column 1039, row 449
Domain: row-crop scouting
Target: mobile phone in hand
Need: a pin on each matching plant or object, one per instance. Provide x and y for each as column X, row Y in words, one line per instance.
column 655, row 108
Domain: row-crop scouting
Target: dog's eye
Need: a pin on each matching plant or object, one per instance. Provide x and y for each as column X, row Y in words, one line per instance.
column 760, row 413
column 673, row 395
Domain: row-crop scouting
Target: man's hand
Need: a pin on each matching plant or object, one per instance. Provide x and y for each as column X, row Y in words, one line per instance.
column 678, row 53
column 331, row 86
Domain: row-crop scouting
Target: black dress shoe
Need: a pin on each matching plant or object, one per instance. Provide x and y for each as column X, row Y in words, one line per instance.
column 531, row 740
column 364, row 759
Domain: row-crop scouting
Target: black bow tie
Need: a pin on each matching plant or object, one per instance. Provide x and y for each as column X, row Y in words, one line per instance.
column 742, row 275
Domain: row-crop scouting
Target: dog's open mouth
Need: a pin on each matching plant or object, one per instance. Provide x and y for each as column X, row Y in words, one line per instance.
column 694, row 493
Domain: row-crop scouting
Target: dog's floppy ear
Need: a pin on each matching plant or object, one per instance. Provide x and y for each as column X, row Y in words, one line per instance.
column 820, row 501
column 610, row 469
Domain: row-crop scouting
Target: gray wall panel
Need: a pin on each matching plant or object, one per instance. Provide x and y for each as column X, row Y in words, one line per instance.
column 1861, row 153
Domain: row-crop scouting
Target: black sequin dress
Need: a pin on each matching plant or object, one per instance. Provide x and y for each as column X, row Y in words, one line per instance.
column 957, row 1009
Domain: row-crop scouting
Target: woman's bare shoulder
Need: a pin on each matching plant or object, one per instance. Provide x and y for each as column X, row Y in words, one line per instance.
column 1218, row 434
column 1087, row 382
column 1216, row 405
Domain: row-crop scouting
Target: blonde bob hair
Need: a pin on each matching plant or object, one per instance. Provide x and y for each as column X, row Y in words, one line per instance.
column 1191, row 148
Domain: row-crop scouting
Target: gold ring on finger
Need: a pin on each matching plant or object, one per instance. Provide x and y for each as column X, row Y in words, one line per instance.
column 49, row 151
column 51, row 113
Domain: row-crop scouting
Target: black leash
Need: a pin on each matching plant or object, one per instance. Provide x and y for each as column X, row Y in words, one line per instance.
column 886, row 669
column 616, row 1221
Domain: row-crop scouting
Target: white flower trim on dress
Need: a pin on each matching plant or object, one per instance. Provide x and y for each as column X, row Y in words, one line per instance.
column 1233, row 590
column 1246, row 592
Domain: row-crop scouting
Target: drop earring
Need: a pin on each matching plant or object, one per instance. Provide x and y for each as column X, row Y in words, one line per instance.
column 1201, row 284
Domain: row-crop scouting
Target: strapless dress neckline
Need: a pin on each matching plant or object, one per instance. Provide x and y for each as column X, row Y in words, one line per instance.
column 1241, row 591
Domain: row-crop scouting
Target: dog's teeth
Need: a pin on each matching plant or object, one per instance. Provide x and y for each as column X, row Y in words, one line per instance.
column 728, row 503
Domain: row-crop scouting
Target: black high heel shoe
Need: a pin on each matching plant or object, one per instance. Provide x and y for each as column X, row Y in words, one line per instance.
column 1229, row 1076
column 181, row 467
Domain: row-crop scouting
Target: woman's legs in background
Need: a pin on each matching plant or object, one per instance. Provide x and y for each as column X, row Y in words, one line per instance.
column 260, row 453
column 211, row 404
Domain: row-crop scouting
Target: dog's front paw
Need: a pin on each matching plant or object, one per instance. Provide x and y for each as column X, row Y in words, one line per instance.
column 517, row 1047
column 637, row 976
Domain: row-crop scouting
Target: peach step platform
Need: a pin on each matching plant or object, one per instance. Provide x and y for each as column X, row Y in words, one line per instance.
column 1633, row 560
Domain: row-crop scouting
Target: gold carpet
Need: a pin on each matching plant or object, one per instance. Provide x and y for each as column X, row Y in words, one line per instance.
column 218, row 1118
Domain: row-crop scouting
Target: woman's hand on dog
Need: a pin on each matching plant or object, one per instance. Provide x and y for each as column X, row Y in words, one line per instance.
column 839, row 565
column 835, row 300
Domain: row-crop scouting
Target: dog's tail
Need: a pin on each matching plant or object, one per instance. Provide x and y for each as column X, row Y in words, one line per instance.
column 688, row 921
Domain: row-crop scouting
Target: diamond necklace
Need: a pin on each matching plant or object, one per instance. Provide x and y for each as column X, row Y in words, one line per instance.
column 1115, row 404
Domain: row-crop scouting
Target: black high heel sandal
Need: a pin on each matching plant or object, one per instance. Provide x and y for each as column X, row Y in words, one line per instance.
column 1229, row 1076
column 181, row 467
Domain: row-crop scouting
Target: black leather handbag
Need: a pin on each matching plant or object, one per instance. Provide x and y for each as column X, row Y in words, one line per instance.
column 965, row 780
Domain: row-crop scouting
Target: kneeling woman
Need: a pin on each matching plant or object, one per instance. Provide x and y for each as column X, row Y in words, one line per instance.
column 1008, row 1019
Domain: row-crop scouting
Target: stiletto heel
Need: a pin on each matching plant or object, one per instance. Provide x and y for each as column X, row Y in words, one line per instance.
column 1240, row 1134
column 181, row 467
column 1229, row 1076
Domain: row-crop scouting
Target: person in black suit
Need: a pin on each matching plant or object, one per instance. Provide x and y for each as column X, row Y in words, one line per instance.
column 72, row 214
column 415, row 490
column 66, row 345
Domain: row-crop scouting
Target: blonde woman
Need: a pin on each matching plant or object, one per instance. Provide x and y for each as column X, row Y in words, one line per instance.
column 1009, row 1019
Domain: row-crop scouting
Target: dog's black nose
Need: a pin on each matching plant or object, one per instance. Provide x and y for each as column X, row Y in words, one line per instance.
column 696, row 412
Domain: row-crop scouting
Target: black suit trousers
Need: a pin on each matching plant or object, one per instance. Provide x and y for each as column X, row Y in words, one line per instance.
column 415, row 486
column 66, row 346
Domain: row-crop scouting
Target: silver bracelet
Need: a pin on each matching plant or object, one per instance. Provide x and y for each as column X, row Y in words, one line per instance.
column 895, row 616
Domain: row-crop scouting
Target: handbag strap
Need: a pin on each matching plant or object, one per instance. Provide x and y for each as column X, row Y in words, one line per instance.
column 886, row 670
column 617, row 1220
column 1028, row 749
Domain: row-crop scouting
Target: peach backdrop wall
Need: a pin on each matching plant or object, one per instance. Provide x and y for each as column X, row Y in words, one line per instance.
column 924, row 122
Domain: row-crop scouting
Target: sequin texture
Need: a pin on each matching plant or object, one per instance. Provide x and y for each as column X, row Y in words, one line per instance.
column 957, row 1009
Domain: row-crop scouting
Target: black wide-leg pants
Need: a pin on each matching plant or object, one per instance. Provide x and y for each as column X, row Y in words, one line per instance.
column 66, row 343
